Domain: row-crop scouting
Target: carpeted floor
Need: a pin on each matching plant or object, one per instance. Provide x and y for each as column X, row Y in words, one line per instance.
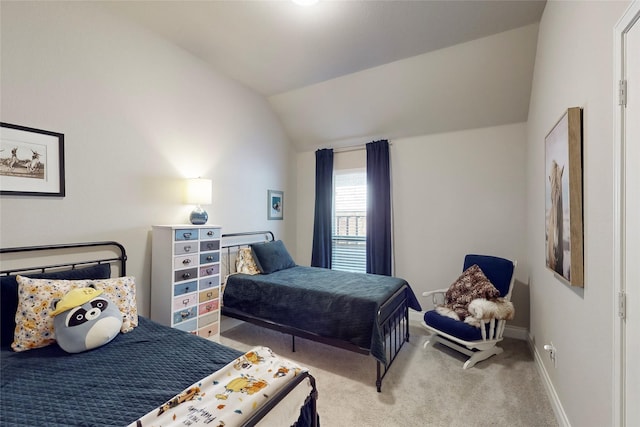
column 423, row 387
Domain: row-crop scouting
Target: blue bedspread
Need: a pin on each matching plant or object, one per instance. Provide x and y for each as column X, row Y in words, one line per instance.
column 110, row 386
column 325, row 302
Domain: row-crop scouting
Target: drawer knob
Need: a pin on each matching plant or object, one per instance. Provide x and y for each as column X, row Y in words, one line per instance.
column 186, row 261
column 185, row 301
column 209, row 271
column 209, row 307
column 186, row 235
column 210, row 233
column 187, row 248
column 209, row 294
column 184, row 314
column 186, row 276
column 209, row 258
column 209, row 245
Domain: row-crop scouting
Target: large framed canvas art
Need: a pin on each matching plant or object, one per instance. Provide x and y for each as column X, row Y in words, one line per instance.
column 563, row 195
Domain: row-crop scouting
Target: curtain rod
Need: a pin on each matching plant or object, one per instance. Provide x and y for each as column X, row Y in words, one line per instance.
column 353, row 148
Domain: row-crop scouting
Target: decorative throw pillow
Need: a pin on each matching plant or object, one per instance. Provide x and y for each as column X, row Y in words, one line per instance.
column 272, row 256
column 472, row 284
column 34, row 324
column 245, row 263
column 9, row 293
column 85, row 319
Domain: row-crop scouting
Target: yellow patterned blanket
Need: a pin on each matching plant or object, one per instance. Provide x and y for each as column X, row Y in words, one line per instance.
column 228, row 396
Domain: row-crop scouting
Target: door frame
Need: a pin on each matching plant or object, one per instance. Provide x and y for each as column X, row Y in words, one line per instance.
column 628, row 19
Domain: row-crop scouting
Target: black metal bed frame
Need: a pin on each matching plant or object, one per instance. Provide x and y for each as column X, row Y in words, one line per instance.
column 121, row 258
column 394, row 326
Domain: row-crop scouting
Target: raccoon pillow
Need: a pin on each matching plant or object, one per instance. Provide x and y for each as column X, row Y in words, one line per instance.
column 84, row 319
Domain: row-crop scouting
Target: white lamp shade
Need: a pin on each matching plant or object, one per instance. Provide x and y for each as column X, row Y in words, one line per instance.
column 198, row 191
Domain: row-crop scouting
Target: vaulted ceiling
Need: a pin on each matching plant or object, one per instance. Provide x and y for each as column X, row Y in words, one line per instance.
column 344, row 72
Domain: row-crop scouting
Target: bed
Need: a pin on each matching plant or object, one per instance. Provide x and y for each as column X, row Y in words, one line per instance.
column 363, row 313
column 126, row 381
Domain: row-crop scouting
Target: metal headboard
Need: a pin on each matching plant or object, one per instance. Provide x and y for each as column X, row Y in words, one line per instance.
column 117, row 247
column 243, row 239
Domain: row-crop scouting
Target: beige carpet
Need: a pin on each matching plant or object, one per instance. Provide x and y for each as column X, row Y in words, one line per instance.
column 423, row 387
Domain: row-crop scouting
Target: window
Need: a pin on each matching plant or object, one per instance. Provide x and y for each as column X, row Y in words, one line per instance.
column 349, row 228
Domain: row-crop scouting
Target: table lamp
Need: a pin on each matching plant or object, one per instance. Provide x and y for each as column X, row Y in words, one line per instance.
column 198, row 193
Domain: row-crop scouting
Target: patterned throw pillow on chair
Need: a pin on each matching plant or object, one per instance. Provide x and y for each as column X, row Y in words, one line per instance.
column 472, row 284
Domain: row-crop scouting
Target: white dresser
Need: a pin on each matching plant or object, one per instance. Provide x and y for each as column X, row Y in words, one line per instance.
column 185, row 278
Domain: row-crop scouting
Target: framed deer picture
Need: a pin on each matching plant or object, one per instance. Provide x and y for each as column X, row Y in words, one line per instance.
column 31, row 161
column 563, row 198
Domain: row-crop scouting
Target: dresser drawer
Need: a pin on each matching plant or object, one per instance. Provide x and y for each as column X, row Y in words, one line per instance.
column 209, row 245
column 210, row 233
column 208, row 319
column 188, row 326
column 209, row 330
column 208, row 270
column 185, row 288
column 184, row 301
column 209, row 257
column 181, row 248
column 208, row 282
column 184, row 314
column 208, row 307
column 185, row 261
column 186, row 234
column 208, row 294
column 189, row 273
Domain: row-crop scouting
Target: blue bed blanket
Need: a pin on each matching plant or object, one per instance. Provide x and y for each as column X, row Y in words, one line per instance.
column 112, row 385
column 328, row 303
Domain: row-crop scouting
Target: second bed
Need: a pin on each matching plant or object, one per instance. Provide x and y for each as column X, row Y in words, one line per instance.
column 364, row 313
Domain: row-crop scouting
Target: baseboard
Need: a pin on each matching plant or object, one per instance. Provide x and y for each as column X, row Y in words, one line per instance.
column 561, row 415
column 415, row 317
column 516, row 332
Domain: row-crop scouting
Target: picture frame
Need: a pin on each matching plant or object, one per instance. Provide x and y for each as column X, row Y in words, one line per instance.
column 31, row 161
column 563, row 198
column 275, row 204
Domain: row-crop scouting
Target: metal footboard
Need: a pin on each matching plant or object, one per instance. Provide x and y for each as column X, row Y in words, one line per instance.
column 395, row 329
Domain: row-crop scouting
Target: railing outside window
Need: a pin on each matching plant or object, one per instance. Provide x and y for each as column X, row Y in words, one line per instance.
column 349, row 247
column 349, row 229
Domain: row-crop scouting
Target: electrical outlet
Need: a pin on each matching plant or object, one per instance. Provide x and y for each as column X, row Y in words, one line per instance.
column 553, row 353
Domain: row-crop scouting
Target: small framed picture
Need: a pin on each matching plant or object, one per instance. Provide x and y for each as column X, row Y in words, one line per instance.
column 275, row 208
column 31, row 161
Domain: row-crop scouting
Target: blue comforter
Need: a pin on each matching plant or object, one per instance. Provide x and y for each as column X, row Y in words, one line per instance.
column 328, row 303
column 112, row 385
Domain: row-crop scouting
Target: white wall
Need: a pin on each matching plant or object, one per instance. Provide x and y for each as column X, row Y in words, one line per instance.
column 574, row 66
column 453, row 194
column 138, row 115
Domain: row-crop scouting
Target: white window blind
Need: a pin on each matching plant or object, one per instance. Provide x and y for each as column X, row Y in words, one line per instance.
column 349, row 229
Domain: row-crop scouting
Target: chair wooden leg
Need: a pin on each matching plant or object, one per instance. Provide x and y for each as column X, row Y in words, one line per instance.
column 429, row 342
column 479, row 356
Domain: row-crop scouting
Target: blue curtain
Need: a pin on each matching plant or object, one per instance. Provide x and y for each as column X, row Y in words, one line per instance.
column 378, row 208
column 321, row 250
